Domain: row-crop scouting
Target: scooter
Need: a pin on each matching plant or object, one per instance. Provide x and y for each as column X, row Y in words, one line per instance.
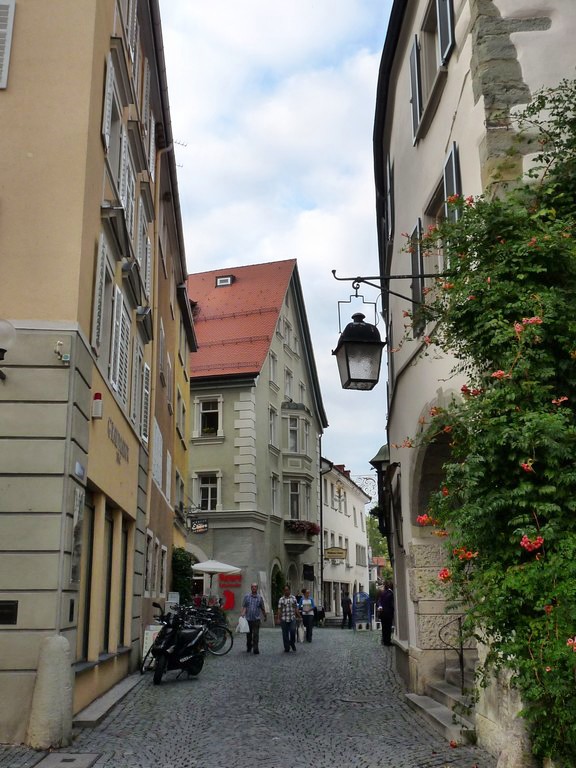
column 177, row 645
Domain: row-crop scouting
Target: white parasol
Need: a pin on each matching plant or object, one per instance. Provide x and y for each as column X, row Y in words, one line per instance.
column 214, row 566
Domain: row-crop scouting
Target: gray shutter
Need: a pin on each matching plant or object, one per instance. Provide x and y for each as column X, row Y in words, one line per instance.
column 417, row 265
column 108, row 102
column 145, row 422
column 124, row 356
column 445, row 16
column 116, row 333
column 415, row 86
column 99, row 288
column 7, row 9
column 452, row 185
column 136, row 389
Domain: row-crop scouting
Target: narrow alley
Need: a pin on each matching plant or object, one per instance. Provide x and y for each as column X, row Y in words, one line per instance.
column 335, row 702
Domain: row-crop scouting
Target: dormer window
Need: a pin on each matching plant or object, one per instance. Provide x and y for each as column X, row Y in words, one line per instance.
column 224, row 280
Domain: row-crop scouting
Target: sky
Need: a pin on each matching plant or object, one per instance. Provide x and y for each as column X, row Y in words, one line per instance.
column 272, row 108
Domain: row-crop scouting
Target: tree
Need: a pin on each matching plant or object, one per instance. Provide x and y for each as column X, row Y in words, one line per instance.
column 505, row 310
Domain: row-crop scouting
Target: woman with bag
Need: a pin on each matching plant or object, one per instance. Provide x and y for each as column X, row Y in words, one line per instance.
column 307, row 607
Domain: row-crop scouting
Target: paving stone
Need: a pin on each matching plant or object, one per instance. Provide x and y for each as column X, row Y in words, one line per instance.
column 336, row 702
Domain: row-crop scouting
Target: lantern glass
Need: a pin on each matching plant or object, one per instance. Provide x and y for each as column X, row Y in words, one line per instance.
column 359, row 355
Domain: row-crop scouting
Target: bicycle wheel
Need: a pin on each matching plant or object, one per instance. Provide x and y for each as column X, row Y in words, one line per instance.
column 219, row 639
column 148, row 662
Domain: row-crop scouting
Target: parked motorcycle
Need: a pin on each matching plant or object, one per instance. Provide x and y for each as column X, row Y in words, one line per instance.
column 177, row 645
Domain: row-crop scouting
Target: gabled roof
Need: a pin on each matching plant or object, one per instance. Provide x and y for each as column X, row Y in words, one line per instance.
column 236, row 322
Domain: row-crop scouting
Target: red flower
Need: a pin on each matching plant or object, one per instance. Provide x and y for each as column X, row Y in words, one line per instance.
column 559, row 400
column 444, row 575
column 527, row 465
column 500, row 375
column 532, row 320
column 531, row 544
column 445, row 491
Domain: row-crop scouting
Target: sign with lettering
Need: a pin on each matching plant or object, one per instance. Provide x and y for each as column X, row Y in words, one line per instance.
column 118, row 441
column 335, row 553
column 199, row 525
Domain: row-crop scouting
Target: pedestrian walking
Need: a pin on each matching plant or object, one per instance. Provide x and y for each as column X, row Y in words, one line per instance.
column 253, row 610
column 287, row 614
column 307, row 609
column 385, row 611
column 346, row 604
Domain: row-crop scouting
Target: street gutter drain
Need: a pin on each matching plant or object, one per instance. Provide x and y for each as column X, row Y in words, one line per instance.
column 67, row 760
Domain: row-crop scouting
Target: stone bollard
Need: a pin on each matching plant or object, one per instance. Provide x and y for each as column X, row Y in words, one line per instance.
column 50, row 723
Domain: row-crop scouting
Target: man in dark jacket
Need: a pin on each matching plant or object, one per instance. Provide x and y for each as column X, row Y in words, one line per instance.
column 346, row 603
column 385, row 612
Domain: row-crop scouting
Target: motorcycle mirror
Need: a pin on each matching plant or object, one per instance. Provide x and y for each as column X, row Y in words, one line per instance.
column 157, row 605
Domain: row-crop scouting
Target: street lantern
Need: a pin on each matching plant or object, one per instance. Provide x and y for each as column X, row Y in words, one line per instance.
column 359, row 354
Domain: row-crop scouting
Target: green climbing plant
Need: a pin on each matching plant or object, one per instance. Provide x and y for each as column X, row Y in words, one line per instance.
column 505, row 309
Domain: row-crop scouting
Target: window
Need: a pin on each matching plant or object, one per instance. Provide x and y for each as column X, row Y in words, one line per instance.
column 152, row 146
column 306, row 446
column 275, row 494
column 293, row 434
column 120, row 347
column 429, row 55
column 340, row 542
column 355, row 517
column 149, row 556
column 157, row 455
column 288, row 383
column 102, row 306
column 294, row 499
column 302, row 392
column 347, row 548
column 145, row 419
column 137, row 382
column 208, row 416
column 273, row 426
column 144, row 250
column 273, row 361
column 6, row 26
column 163, row 569
column 362, row 520
column 389, row 209
column 332, row 539
column 169, row 477
column 224, row 280
column 208, row 491
column 180, row 415
column 325, row 539
column 162, row 354
column 287, row 333
column 451, row 178
column 361, row 555
column 209, row 412
column 325, row 490
column 179, row 493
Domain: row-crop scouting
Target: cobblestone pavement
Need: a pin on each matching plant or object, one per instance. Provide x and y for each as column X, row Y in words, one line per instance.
column 335, row 702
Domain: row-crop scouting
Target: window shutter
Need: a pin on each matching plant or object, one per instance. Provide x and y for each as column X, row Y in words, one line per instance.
column 389, row 200
column 452, row 185
column 116, row 333
column 145, row 421
column 168, row 476
column 99, row 287
column 152, row 147
column 148, row 268
column 136, row 389
column 142, row 230
column 123, row 166
column 418, row 322
column 415, row 86
column 108, row 102
column 445, row 16
column 146, row 96
column 124, row 356
column 7, row 8
column 131, row 27
column 129, row 203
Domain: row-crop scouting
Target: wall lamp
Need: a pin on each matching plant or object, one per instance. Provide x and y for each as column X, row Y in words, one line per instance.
column 359, row 349
column 7, row 339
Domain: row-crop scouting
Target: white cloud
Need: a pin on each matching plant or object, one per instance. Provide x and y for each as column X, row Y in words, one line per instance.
column 275, row 106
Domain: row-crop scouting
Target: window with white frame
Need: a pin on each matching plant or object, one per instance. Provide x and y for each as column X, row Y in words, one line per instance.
column 287, row 333
column 288, row 383
column 155, row 567
column 293, row 434
column 169, row 384
column 325, row 490
column 362, row 520
column 273, row 362
column 7, row 8
column 361, row 555
column 347, row 548
column 355, row 517
column 294, row 499
column 273, row 426
column 325, row 532
column 275, row 494
column 208, row 416
column 306, row 437
column 145, row 417
column 144, row 250
column 307, row 499
column 332, row 538
column 302, row 392
column 208, row 491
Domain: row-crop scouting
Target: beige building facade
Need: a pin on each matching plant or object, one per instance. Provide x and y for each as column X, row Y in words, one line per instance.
column 92, row 259
column 450, row 71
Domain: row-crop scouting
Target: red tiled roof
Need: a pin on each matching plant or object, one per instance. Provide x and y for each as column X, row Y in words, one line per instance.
column 235, row 323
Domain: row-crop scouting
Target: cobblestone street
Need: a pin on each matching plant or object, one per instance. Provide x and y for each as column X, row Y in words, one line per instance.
column 335, row 702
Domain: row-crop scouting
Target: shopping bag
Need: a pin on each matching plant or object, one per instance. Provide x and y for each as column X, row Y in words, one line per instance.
column 243, row 626
column 301, row 633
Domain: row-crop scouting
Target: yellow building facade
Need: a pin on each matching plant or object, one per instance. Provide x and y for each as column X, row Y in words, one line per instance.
column 93, row 435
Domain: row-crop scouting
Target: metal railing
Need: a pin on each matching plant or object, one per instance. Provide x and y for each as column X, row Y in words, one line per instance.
column 459, row 647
